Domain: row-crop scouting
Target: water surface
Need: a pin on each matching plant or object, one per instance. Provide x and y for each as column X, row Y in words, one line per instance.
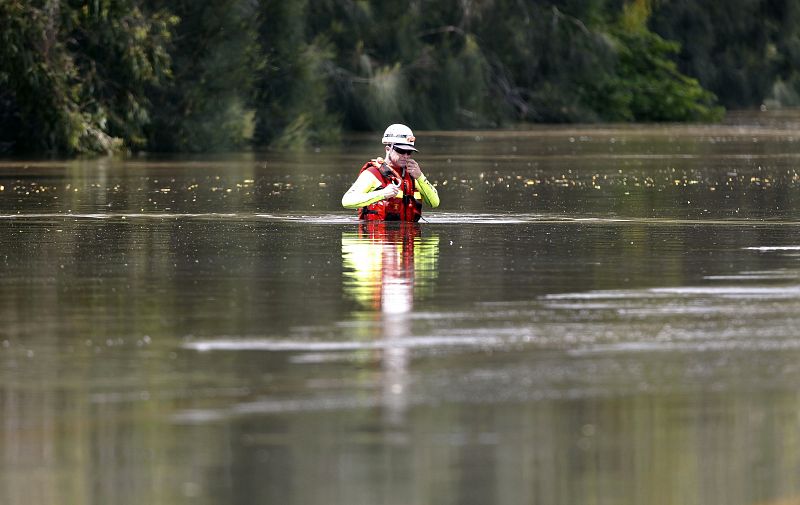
column 600, row 314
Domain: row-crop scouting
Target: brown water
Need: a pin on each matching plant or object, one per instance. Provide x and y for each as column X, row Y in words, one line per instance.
column 601, row 315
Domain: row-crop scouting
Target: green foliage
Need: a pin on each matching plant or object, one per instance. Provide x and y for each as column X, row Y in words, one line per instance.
column 292, row 90
column 205, row 105
column 729, row 47
column 37, row 99
column 74, row 74
column 118, row 51
column 647, row 86
column 466, row 64
column 193, row 75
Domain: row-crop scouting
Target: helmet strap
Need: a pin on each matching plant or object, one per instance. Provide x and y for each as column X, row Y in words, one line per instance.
column 389, row 152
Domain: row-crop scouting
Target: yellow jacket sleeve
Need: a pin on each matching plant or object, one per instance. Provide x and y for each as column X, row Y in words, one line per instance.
column 362, row 192
column 429, row 194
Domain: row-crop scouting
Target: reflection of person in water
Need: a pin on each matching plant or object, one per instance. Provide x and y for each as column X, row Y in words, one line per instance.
column 387, row 266
column 392, row 188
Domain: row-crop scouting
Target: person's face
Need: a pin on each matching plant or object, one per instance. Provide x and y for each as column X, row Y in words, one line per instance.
column 399, row 156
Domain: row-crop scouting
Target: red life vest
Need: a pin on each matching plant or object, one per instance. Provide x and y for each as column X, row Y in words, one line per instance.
column 405, row 208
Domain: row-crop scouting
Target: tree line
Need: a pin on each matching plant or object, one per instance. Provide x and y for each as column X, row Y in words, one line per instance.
column 97, row 76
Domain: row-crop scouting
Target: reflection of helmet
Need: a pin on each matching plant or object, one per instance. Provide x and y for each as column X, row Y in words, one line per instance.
column 399, row 135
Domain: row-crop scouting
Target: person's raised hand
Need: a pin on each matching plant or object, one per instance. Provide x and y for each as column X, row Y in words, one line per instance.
column 412, row 167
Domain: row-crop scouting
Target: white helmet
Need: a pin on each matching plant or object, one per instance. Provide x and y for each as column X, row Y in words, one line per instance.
column 399, row 135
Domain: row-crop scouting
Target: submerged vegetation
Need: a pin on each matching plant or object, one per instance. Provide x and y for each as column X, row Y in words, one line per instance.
column 181, row 75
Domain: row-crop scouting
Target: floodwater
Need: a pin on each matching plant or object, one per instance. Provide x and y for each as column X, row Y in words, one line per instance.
column 602, row 314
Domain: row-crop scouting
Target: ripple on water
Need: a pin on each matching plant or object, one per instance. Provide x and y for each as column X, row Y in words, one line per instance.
column 774, row 248
column 273, row 345
column 458, row 218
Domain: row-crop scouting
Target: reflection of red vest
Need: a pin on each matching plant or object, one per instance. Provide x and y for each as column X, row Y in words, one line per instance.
column 403, row 233
column 405, row 208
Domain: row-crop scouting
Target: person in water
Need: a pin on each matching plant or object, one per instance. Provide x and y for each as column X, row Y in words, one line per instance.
column 392, row 188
